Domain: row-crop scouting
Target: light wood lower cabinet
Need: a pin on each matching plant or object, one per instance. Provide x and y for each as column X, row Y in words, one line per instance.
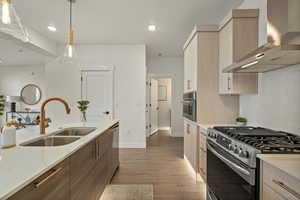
column 83, row 175
column 202, row 155
column 278, row 185
column 190, row 144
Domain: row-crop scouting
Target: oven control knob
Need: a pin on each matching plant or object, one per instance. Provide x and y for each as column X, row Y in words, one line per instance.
column 244, row 154
column 230, row 147
column 235, row 149
column 240, row 152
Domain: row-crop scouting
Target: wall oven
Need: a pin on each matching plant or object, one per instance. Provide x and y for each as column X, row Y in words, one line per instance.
column 189, row 106
column 227, row 177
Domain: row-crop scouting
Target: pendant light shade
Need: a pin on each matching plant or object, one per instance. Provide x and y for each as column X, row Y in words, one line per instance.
column 10, row 23
column 69, row 55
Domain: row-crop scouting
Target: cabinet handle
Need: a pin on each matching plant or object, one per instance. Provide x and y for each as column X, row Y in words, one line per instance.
column 96, row 150
column 228, row 85
column 287, row 188
column 188, row 129
column 53, row 173
column 189, row 84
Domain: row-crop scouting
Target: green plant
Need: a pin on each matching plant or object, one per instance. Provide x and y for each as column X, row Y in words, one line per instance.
column 2, row 106
column 83, row 106
column 241, row 119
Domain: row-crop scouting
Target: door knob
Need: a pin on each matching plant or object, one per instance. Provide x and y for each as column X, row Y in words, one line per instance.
column 107, row 112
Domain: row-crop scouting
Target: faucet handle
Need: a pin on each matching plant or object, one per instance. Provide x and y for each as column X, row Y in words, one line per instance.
column 47, row 121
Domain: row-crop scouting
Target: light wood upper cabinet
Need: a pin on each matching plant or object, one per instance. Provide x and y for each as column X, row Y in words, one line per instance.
column 201, row 53
column 238, row 36
column 190, row 66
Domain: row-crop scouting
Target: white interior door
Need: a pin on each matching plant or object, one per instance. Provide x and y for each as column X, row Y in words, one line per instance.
column 97, row 87
column 154, row 106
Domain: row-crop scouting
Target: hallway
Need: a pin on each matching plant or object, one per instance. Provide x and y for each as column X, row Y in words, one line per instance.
column 162, row 165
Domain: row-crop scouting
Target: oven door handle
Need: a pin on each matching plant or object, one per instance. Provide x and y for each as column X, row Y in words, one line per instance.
column 186, row 102
column 228, row 162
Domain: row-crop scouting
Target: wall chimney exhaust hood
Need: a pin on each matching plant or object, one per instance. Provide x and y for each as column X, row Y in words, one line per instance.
column 283, row 47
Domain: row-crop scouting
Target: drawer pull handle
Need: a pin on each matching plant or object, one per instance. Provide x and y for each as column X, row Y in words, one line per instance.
column 228, row 84
column 287, row 188
column 53, row 173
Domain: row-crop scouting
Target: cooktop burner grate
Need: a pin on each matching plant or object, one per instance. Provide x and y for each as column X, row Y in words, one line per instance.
column 265, row 140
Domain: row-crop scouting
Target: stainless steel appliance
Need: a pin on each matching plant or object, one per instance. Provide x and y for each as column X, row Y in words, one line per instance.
column 189, row 105
column 232, row 166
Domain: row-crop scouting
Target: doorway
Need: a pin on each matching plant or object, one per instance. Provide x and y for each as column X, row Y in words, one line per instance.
column 97, row 86
column 160, row 104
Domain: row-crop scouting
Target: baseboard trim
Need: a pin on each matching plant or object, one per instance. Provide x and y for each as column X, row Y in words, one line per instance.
column 153, row 132
column 132, row 146
column 166, row 128
column 177, row 134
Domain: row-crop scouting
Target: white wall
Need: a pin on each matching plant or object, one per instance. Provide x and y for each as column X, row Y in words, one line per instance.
column 171, row 67
column 130, row 79
column 166, row 105
column 277, row 104
column 13, row 79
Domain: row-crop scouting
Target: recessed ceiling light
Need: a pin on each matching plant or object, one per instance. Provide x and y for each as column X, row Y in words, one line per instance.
column 51, row 28
column 1, row 61
column 152, row 28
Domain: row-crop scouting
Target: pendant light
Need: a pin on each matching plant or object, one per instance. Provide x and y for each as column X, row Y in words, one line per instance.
column 69, row 55
column 10, row 23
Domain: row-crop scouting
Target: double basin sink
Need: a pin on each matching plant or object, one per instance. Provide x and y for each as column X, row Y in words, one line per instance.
column 62, row 137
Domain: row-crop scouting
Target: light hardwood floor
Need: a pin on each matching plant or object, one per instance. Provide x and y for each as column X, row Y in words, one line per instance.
column 162, row 165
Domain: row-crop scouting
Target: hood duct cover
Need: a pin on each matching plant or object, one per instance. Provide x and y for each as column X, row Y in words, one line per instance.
column 283, row 47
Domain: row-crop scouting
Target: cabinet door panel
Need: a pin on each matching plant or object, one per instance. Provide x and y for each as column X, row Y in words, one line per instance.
column 269, row 194
column 191, row 65
column 193, row 142
column 81, row 175
column 186, row 139
column 225, row 58
column 194, row 63
column 54, row 184
column 186, row 69
column 101, row 175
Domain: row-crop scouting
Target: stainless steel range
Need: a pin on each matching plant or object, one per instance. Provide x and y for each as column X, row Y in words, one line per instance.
column 232, row 166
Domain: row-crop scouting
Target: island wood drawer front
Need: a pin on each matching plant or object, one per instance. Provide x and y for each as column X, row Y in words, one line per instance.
column 54, row 184
column 280, row 182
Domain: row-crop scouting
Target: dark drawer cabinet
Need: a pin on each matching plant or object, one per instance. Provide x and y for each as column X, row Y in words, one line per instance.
column 54, row 184
column 82, row 176
column 83, row 164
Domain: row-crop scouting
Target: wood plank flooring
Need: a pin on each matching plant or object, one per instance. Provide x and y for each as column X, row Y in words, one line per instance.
column 162, row 165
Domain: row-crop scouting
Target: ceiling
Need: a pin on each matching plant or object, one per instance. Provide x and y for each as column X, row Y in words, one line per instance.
column 125, row 21
column 13, row 54
column 116, row 22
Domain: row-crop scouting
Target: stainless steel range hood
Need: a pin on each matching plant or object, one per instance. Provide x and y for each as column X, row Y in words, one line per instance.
column 283, row 47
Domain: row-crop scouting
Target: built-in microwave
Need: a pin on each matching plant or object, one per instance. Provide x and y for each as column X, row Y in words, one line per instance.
column 189, row 105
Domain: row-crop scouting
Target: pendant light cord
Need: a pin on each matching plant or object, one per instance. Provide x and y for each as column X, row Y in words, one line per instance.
column 71, row 1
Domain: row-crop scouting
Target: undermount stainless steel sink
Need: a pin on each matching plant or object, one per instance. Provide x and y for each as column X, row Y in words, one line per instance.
column 75, row 131
column 51, row 141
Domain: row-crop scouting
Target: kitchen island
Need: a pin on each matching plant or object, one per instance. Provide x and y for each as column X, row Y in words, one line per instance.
column 57, row 172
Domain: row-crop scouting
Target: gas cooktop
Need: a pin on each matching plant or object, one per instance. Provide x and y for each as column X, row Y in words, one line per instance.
column 264, row 140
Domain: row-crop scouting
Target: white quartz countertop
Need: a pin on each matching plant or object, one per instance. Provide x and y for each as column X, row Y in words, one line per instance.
column 20, row 165
column 205, row 127
column 289, row 163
